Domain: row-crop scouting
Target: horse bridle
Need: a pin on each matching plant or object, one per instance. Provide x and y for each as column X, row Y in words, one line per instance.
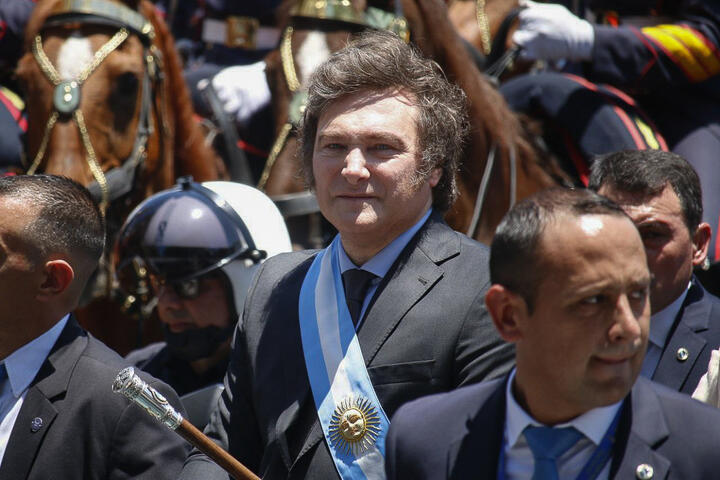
column 66, row 99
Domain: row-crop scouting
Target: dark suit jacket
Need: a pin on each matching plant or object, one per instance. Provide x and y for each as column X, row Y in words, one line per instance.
column 697, row 330
column 88, row 432
column 426, row 331
column 458, row 435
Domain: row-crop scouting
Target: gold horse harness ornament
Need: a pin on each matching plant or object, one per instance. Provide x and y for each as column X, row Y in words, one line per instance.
column 66, row 97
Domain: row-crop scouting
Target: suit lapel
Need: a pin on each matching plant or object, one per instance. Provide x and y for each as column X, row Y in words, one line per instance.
column 477, row 449
column 26, row 437
column 413, row 274
column 647, row 430
column 38, row 412
column 674, row 367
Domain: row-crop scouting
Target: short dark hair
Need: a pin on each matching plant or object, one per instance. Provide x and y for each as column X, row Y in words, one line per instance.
column 378, row 61
column 69, row 221
column 646, row 173
column 514, row 260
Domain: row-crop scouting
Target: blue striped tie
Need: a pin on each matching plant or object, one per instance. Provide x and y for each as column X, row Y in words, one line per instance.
column 547, row 444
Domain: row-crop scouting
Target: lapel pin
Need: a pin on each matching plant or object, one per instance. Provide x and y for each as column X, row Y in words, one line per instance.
column 644, row 471
column 36, row 424
column 682, row 354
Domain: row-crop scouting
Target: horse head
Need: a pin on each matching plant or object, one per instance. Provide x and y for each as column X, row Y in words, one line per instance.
column 106, row 102
column 107, row 106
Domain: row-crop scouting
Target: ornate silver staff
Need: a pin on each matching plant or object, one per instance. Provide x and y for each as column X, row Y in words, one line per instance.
column 133, row 387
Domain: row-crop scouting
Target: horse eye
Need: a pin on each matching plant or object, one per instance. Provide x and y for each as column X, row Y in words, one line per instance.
column 126, row 84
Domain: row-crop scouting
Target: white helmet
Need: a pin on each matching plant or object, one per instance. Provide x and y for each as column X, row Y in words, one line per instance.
column 193, row 229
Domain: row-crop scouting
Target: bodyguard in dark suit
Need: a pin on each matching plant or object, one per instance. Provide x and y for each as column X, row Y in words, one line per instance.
column 660, row 191
column 58, row 415
column 381, row 141
column 579, row 320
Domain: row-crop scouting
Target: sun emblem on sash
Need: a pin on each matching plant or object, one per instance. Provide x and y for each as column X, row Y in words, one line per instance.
column 355, row 425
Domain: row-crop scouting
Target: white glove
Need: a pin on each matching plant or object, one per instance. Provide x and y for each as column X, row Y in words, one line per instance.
column 707, row 389
column 551, row 32
column 243, row 90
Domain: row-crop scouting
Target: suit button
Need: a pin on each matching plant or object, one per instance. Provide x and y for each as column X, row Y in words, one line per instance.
column 682, row 354
column 644, row 471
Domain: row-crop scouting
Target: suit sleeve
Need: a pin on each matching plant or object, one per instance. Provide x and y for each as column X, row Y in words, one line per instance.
column 675, row 54
column 480, row 352
column 142, row 448
column 233, row 423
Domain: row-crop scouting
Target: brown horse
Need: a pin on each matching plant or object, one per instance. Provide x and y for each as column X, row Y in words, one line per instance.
column 108, row 107
column 501, row 148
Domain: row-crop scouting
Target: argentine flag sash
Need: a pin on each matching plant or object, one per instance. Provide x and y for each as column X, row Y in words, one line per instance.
column 351, row 416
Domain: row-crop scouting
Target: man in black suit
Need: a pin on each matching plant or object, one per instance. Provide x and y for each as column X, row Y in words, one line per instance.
column 660, row 191
column 572, row 408
column 319, row 362
column 58, row 415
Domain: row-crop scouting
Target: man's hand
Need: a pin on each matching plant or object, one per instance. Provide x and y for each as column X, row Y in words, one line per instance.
column 243, row 90
column 550, row 32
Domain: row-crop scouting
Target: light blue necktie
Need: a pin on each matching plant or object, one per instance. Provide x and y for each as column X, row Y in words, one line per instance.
column 547, row 444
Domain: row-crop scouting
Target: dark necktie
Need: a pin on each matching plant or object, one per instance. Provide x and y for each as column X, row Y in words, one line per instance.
column 356, row 283
column 547, row 444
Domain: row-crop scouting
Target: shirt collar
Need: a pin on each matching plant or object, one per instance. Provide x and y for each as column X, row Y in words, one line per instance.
column 661, row 322
column 593, row 423
column 24, row 363
column 383, row 260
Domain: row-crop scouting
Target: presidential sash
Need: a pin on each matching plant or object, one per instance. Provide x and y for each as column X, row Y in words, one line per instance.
column 351, row 416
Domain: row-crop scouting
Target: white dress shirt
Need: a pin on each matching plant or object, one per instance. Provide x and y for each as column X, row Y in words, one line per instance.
column 519, row 461
column 22, row 367
column 660, row 325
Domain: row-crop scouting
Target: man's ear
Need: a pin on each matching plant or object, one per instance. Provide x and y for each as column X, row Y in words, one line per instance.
column 505, row 308
column 701, row 243
column 434, row 177
column 58, row 275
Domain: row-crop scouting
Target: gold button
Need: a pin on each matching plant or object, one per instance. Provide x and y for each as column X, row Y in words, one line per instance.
column 644, row 471
column 682, row 354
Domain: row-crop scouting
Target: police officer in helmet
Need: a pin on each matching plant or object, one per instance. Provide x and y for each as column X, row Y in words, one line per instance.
column 198, row 246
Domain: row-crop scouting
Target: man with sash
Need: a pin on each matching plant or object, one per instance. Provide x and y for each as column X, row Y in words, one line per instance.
column 331, row 343
column 574, row 406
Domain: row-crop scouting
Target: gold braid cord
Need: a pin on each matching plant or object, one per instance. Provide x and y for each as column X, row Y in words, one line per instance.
column 288, row 63
column 277, row 147
column 54, row 77
column 484, row 26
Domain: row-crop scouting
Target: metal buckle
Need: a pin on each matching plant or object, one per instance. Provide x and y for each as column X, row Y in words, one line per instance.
column 242, row 32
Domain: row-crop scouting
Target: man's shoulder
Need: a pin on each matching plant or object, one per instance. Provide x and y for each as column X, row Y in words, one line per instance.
column 440, row 241
column 674, row 402
column 455, row 405
column 281, row 265
column 100, row 361
column 689, row 422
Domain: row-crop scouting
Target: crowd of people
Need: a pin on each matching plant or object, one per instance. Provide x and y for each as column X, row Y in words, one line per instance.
column 580, row 344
